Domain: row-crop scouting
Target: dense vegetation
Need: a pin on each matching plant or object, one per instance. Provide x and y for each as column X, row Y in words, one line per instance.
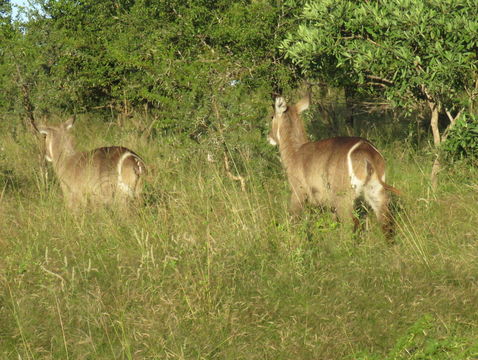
column 209, row 269
column 169, row 59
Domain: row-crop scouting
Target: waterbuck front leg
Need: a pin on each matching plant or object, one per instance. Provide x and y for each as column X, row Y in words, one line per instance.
column 73, row 201
column 298, row 198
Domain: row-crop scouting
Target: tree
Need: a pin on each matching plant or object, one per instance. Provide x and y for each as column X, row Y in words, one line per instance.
column 169, row 58
column 405, row 51
column 6, row 34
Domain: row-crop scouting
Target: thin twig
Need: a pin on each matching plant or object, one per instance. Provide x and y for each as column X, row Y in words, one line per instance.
column 376, row 84
column 231, row 175
column 382, row 80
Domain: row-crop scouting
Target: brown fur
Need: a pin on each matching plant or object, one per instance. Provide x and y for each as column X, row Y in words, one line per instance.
column 93, row 176
column 319, row 172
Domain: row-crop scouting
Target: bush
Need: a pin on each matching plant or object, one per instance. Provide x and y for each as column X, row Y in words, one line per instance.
column 422, row 342
column 462, row 140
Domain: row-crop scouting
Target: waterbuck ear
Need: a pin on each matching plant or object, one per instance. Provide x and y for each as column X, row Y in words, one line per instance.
column 303, row 104
column 68, row 124
column 280, row 105
column 43, row 130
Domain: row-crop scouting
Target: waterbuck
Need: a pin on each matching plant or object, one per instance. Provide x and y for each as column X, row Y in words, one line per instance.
column 105, row 175
column 333, row 173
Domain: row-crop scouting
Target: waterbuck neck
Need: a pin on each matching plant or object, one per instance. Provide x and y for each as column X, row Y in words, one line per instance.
column 292, row 137
column 61, row 152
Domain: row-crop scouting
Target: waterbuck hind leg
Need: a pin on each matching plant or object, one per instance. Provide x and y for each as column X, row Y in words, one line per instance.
column 138, row 190
column 378, row 198
column 359, row 223
column 387, row 221
column 129, row 183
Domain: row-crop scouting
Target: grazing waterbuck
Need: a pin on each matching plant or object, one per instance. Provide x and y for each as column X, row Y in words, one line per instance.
column 102, row 176
column 334, row 173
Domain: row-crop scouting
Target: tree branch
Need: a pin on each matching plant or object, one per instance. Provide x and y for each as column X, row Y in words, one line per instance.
column 380, row 79
column 27, row 104
column 376, row 84
column 231, row 175
column 452, row 122
column 227, row 167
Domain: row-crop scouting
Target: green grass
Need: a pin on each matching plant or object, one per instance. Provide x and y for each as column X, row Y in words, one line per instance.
column 206, row 271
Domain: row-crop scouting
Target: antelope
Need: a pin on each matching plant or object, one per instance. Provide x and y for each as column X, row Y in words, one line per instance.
column 102, row 176
column 333, row 173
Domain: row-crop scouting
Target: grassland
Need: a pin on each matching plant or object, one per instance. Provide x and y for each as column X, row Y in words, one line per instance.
column 205, row 270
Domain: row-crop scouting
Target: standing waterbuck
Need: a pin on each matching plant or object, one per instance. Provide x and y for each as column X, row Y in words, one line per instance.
column 105, row 175
column 333, row 173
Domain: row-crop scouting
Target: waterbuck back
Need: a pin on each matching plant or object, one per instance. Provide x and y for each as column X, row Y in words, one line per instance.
column 332, row 173
column 107, row 175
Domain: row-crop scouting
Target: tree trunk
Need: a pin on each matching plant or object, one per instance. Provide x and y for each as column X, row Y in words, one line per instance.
column 435, row 170
column 435, row 109
column 349, row 114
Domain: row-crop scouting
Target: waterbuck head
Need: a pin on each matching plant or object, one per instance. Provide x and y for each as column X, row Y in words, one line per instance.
column 286, row 122
column 58, row 140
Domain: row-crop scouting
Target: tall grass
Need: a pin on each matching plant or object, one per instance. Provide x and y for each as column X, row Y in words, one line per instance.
column 204, row 270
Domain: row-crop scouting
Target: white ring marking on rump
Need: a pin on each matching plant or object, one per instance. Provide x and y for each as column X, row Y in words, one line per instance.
column 121, row 184
column 355, row 182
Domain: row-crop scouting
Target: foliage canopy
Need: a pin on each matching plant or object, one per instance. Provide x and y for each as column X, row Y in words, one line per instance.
column 170, row 58
column 403, row 50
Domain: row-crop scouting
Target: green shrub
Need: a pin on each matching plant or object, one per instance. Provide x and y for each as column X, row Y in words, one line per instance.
column 462, row 140
column 422, row 342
